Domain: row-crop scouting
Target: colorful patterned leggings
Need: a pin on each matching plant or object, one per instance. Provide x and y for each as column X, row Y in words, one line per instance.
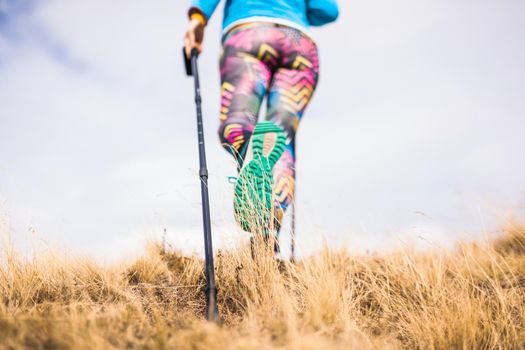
column 262, row 59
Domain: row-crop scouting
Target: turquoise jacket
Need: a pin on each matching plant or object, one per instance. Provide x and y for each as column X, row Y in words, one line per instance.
column 303, row 13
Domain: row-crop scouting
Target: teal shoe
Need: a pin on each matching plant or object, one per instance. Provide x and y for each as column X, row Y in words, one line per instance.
column 253, row 199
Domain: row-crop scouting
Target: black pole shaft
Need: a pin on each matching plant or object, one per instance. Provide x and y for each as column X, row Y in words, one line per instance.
column 212, row 312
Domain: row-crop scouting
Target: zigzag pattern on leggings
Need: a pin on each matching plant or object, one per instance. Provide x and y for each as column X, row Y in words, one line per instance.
column 295, row 89
column 233, row 133
column 284, row 177
column 227, row 91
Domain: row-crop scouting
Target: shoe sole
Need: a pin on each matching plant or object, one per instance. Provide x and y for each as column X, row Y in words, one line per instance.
column 253, row 198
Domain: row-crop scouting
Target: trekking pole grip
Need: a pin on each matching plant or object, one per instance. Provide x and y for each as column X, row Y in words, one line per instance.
column 188, row 61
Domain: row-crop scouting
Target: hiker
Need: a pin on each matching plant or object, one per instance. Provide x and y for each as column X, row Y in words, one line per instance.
column 266, row 51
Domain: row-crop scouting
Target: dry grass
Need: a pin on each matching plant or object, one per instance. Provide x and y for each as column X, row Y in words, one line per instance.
column 472, row 298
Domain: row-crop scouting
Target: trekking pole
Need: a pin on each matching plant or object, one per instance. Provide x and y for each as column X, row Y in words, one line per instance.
column 292, row 234
column 212, row 312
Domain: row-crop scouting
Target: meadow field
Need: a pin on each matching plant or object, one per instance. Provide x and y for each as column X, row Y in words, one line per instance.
column 471, row 297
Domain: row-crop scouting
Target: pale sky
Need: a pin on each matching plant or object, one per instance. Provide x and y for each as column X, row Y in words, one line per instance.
column 414, row 135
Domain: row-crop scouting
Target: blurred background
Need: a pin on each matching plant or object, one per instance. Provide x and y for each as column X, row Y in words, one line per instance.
column 414, row 136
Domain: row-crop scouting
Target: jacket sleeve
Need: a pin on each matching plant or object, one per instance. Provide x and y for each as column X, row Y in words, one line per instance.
column 205, row 7
column 321, row 12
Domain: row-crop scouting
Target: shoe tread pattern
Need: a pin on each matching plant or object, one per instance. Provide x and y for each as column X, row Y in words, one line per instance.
column 253, row 199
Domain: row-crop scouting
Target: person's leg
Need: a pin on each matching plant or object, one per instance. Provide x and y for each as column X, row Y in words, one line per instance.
column 244, row 82
column 246, row 69
column 291, row 90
